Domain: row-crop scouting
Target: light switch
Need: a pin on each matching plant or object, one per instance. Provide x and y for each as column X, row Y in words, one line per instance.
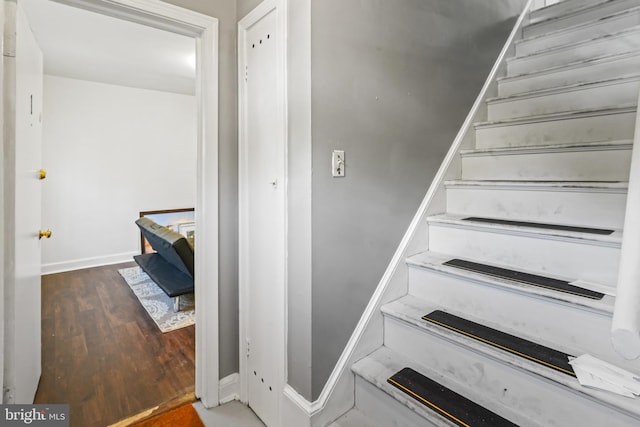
column 337, row 163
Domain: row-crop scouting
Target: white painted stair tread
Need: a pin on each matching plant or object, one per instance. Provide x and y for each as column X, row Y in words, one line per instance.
column 383, row 363
column 606, row 93
column 564, row 18
column 562, row 8
column 571, row 65
column 591, row 112
column 435, row 261
column 580, row 26
column 586, row 42
column 354, row 418
column 410, row 310
column 617, row 187
column 565, row 88
column 623, row 144
column 589, row 204
column 614, row 239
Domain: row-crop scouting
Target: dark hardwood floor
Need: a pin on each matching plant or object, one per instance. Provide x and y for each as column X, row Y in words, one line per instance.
column 102, row 353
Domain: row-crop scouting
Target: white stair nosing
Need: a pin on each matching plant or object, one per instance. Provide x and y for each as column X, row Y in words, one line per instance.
column 551, row 148
column 456, row 221
column 593, row 112
column 574, row 45
column 559, row 31
column 568, row 66
column 564, row 89
column 434, row 262
column 567, row 382
column 585, row 186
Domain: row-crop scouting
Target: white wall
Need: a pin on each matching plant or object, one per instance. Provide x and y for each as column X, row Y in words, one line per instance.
column 111, row 152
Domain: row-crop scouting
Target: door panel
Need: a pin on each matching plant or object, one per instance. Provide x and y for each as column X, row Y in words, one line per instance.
column 26, row 366
column 265, row 225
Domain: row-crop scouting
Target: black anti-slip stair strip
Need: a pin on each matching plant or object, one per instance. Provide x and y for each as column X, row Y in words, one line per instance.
column 527, row 278
column 449, row 404
column 599, row 231
column 546, row 356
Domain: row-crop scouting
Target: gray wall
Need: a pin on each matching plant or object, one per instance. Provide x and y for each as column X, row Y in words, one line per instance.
column 246, row 6
column 225, row 11
column 391, row 84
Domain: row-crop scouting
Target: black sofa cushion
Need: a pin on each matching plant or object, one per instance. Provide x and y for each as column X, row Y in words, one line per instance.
column 171, row 280
column 171, row 246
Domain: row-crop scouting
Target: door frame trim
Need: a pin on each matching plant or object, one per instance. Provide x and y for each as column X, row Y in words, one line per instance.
column 244, row 25
column 204, row 29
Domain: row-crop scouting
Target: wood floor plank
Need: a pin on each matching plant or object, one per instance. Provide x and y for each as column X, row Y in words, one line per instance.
column 102, row 353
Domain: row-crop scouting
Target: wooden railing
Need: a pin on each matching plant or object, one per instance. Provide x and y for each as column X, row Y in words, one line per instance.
column 625, row 327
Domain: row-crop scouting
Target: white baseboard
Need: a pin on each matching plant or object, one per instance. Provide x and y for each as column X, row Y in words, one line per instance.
column 78, row 264
column 229, row 388
column 296, row 410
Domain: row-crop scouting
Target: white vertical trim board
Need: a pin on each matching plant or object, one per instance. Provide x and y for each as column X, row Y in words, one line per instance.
column 326, row 408
column 625, row 325
column 263, row 9
column 204, row 29
column 2, row 203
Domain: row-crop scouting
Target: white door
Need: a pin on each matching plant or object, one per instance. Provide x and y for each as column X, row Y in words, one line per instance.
column 23, row 308
column 264, row 265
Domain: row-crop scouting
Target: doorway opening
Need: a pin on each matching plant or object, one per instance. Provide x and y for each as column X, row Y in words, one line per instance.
column 204, row 32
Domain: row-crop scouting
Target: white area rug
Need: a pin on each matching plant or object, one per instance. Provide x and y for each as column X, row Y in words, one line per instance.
column 157, row 303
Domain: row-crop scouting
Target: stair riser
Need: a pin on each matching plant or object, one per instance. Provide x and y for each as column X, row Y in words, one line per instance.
column 580, row 208
column 588, row 97
column 535, row 253
column 537, row 399
column 558, row 9
column 598, row 28
column 608, row 127
column 606, row 46
column 386, row 410
column 601, row 70
column 599, row 165
column 569, row 327
column 578, row 18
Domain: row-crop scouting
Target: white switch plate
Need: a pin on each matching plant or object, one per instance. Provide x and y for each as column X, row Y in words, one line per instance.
column 337, row 163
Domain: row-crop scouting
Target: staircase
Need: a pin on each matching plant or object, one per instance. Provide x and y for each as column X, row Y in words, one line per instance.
column 522, row 264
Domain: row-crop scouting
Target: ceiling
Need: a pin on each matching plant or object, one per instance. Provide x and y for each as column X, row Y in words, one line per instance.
column 84, row 45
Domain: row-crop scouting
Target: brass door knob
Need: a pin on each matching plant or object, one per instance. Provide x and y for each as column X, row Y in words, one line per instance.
column 46, row 234
column 42, row 174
